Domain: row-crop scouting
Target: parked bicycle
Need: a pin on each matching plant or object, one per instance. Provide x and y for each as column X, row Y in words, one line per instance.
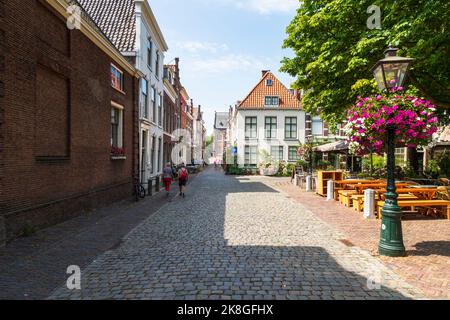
column 139, row 190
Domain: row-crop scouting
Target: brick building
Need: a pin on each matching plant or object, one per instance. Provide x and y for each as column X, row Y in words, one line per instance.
column 68, row 117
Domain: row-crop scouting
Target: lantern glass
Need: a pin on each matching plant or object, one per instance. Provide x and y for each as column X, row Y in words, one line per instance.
column 378, row 74
column 394, row 74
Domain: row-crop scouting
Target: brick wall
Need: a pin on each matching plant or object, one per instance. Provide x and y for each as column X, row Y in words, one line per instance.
column 55, row 157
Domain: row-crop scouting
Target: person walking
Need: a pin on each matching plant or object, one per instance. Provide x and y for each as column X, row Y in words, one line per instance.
column 168, row 177
column 183, row 177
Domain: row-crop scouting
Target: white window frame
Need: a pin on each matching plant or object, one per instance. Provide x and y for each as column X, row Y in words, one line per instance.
column 121, row 109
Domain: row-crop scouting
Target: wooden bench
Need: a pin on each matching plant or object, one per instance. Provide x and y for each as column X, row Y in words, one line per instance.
column 345, row 197
column 358, row 200
column 418, row 203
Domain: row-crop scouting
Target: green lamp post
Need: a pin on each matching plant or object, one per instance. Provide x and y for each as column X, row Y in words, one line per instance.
column 389, row 73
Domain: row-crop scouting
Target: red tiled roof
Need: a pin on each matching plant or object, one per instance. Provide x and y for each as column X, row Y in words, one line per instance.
column 256, row 98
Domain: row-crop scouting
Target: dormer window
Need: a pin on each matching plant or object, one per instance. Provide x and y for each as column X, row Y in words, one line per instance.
column 271, row 101
column 269, row 82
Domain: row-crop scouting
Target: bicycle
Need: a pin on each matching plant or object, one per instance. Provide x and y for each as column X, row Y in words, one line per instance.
column 138, row 190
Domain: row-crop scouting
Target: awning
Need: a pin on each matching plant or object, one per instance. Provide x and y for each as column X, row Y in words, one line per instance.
column 337, row 147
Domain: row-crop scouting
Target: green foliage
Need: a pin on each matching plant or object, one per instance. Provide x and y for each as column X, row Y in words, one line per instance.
column 379, row 162
column 444, row 165
column 334, row 50
column 433, row 169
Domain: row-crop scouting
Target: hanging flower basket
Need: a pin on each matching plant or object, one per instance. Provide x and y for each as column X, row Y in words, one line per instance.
column 414, row 120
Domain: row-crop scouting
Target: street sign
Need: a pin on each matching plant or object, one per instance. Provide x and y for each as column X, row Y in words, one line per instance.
column 235, row 150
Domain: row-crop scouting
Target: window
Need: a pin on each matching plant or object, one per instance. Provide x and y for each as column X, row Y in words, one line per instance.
column 149, row 53
column 291, row 128
column 116, row 126
column 116, row 78
column 277, row 153
column 251, row 130
column 144, row 112
column 160, row 109
column 400, row 155
column 317, row 126
column 251, row 155
column 293, row 155
column 269, row 82
column 271, row 101
column 271, row 127
column 157, row 64
column 153, row 97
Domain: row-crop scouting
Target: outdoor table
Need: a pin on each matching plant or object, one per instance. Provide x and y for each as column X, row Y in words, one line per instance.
column 425, row 187
column 341, row 183
column 360, row 188
column 421, row 193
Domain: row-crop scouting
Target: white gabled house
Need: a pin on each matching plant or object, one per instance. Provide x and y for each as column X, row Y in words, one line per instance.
column 271, row 118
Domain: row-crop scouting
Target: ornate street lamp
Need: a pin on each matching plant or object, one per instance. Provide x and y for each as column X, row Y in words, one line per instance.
column 391, row 73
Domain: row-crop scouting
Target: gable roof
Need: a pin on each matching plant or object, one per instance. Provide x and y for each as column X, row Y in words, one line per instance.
column 256, row 98
column 116, row 19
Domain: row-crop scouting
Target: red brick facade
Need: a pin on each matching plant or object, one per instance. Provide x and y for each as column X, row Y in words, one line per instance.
column 55, row 120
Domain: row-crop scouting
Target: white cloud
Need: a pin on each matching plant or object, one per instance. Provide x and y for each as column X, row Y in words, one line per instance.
column 261, row 6
column 198, row 46
column 224, row 64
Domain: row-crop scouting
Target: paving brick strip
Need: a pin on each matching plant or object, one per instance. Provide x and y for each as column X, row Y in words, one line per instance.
column 32, row 267
column 236, row 238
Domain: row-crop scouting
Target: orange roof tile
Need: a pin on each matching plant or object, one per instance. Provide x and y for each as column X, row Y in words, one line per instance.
column 256, row 98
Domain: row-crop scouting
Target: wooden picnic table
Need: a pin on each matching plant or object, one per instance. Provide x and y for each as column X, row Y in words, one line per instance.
column 360, row 188
column 421, row 193
column 343, row 183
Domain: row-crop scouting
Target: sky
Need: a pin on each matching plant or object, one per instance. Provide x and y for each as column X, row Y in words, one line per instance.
column 223, row 46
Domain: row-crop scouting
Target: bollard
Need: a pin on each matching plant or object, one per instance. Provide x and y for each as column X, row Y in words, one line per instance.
column 330, row 190
column 2, row 232
column 308, row 184
column 158, row 184
column 369, row 204
column 150, row 187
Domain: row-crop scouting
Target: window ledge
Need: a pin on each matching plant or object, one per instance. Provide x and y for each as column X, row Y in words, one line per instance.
column 118, row 90
column 116, row 158
column 52, row 159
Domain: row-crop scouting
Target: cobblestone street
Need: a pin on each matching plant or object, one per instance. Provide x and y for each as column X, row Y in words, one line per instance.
column 236, row 238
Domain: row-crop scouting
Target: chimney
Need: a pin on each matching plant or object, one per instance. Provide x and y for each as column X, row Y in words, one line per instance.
column 264, row 72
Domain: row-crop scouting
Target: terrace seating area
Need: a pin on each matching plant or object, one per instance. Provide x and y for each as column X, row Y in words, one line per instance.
column 428, row 200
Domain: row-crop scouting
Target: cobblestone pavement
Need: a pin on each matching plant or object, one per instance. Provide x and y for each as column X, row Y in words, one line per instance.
column 427, row 240
column 31, row 268
column 236, row 238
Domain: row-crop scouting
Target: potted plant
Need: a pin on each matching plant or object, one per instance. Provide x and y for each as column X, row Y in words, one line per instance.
column 118, row 153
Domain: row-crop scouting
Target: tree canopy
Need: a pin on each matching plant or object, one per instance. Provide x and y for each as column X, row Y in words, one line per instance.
column 335, row 50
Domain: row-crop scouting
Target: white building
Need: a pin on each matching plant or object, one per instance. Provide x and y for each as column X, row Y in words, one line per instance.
column 271, row 119
column 133, row 29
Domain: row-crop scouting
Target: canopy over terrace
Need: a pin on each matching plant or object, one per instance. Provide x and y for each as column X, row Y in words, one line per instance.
column 343, row 160
column 335, row 147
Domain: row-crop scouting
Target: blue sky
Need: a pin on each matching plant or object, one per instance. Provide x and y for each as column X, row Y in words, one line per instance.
column 223, row 45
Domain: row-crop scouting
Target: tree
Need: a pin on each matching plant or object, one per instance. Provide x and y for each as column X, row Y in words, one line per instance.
column 335, row 50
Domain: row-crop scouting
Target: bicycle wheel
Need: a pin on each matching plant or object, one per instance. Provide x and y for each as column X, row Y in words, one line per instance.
column 141, row 191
